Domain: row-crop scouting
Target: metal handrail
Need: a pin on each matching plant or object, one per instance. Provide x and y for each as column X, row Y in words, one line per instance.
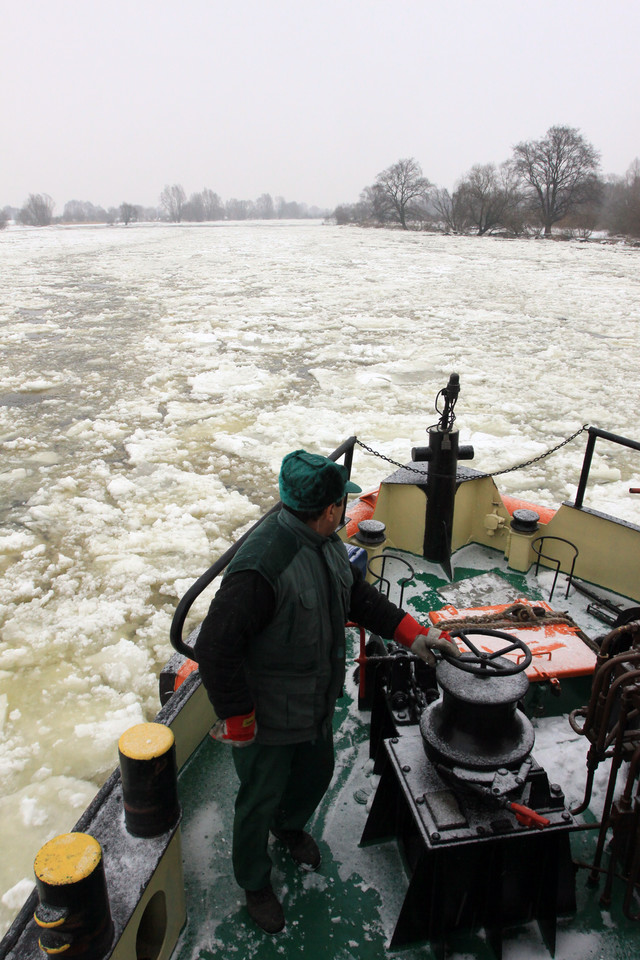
column 177, row 624
column 379, row 578
column 537, row 546
column 594, row 433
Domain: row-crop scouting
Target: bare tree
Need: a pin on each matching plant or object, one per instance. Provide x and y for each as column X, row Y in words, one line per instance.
column 449, row 212
column 128, row 213
column 212, row 205
column 361, row 212
column 265, row 209
column 345, row 213
column 206, row 205
column 173, row 200
column 560, row 171
column 402, row 186
column 38, row 210
column 290, row 209
column 194, row 209
column 74, row 212
column 4, row 217
column 374, row 205
column 83, row 211
column 239, row 209
column 481, row 194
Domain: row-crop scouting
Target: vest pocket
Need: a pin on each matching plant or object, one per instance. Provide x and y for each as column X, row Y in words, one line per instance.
column 303, row 625
column 285, row 702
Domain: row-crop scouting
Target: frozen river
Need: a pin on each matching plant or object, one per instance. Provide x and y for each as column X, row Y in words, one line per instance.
column 152, row 378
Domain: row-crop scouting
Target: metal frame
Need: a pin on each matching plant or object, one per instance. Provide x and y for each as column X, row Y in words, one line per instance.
column 594, row 433
column 462, row 877
column 538, row 552
column 379, row 578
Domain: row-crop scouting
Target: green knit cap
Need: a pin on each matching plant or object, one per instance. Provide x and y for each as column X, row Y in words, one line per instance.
column 309, row 482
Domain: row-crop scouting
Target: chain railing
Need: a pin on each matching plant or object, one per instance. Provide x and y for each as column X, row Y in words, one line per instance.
column 345, row 450
column 465, row 476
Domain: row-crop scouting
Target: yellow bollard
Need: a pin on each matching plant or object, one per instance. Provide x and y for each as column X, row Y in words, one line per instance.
column 73, row 913
column 149, row 779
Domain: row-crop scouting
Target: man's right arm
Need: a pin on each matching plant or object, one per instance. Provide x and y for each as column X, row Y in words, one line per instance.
column 242, row 607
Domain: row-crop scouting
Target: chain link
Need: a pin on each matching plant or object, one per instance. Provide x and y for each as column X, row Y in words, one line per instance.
column 496, row 473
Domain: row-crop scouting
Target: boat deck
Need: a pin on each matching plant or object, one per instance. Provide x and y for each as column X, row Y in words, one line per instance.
column 349, row 908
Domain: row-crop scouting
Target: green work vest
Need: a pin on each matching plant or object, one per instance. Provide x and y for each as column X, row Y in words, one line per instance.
column 295, row 667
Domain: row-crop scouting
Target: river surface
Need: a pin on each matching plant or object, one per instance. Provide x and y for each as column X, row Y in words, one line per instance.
column 152, row 378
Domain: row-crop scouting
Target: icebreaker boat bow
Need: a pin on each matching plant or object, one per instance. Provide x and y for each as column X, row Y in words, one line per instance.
column 444, row 831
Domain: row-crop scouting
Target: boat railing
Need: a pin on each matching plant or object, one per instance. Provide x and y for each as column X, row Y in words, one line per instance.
column 346, row 450
column 596, row 433
column 177, row 625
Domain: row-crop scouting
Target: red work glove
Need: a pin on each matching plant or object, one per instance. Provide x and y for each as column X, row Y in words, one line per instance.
column 238, row 731
column 422, row 640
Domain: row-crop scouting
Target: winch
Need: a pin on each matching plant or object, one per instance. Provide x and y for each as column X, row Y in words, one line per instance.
column 477, row 724
column 484, row 834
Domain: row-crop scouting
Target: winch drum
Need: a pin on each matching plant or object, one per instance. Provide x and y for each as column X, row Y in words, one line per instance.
column 476, row 724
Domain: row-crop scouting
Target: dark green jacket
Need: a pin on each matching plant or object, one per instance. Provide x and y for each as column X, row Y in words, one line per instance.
column 295, row 666
column 274, row 637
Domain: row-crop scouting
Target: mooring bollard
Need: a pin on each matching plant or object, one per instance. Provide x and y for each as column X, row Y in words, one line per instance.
column 149, row 779
column 73, row 913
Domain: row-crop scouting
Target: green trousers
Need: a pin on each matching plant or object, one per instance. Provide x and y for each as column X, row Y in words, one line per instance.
column 280, row 787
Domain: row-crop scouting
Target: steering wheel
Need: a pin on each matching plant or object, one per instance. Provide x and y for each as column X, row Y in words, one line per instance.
column 488, row 664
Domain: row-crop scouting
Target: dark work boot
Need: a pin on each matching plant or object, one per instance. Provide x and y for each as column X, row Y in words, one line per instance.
column 265, row 909
column 302, row 847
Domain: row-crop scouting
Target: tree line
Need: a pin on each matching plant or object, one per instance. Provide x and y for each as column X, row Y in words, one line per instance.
column 207, row 205
column 174, row 205
column 553, row 182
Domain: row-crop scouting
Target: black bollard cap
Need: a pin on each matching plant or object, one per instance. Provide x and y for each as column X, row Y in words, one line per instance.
column 371, row 532
column 525, row 521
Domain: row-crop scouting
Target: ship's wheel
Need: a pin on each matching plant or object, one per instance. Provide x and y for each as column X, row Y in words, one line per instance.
column 488, row 663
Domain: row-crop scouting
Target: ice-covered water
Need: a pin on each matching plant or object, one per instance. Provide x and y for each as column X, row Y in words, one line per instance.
column 152, row 378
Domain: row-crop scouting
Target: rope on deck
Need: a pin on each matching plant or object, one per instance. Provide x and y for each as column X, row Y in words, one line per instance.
column 518, row 614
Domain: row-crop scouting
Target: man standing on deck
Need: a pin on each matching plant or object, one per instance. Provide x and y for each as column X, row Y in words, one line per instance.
column 271, row 653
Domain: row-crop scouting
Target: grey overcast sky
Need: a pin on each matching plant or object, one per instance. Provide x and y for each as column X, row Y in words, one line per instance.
column 109, row 100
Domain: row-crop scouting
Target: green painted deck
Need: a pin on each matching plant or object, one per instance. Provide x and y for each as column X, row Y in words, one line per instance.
column 348, row 909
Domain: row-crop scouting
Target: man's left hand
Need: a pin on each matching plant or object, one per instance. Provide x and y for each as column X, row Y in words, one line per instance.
column 428, row 640
column 424, row 640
